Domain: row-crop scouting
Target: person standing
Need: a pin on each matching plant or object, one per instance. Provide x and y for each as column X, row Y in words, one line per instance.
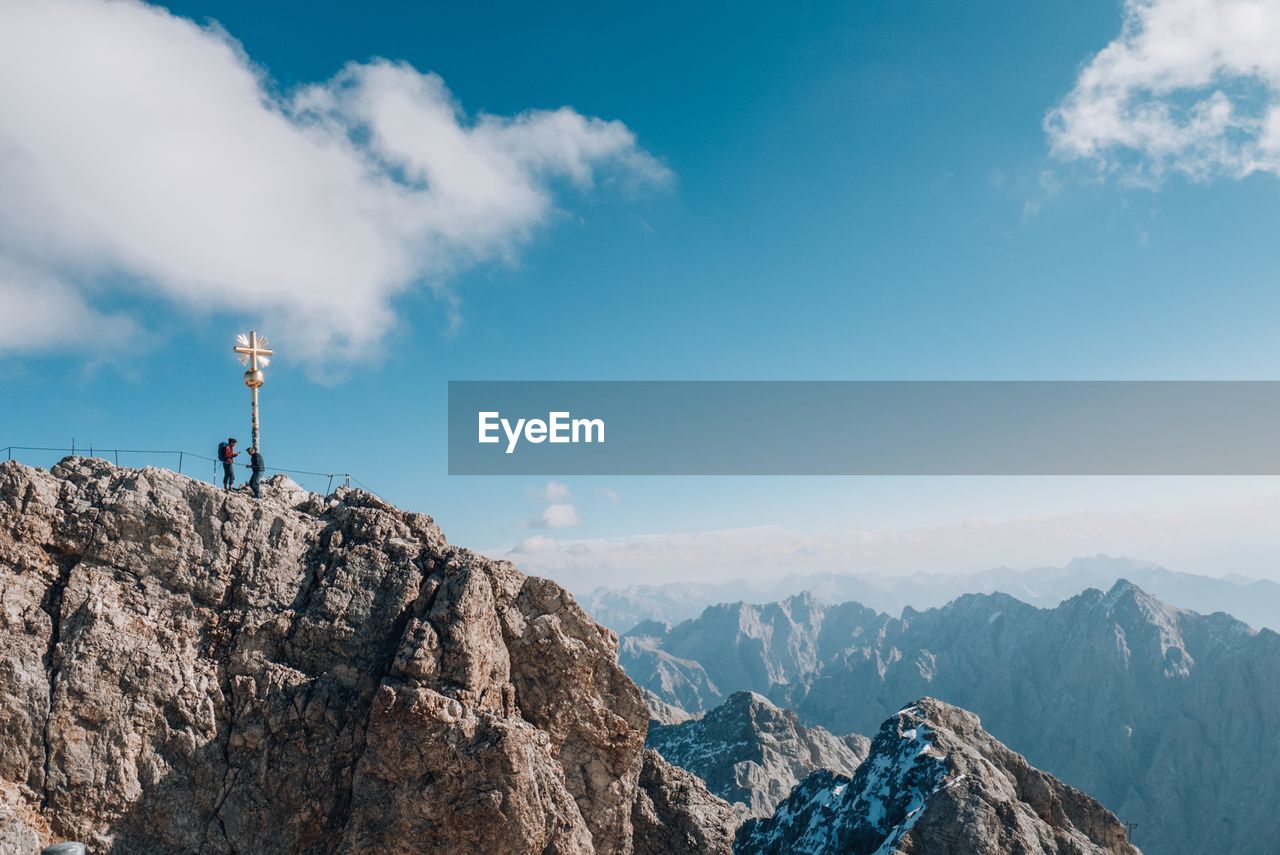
column 227, row 453
column 256, row 466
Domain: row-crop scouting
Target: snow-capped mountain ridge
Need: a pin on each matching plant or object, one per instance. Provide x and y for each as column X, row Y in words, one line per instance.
column 937, row 783
column 1163, row 697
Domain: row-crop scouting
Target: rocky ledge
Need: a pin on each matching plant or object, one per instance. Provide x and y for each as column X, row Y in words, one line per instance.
column 188, row 670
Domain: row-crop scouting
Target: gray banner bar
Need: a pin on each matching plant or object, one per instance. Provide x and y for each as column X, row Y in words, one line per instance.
column 865, row 428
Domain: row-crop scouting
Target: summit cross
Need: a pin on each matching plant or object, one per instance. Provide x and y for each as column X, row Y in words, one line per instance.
column 256, row 356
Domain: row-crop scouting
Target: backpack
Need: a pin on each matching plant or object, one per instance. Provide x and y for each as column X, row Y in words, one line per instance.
column 222, row 452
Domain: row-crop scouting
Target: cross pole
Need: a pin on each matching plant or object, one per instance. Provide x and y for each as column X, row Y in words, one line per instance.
column 253, row 353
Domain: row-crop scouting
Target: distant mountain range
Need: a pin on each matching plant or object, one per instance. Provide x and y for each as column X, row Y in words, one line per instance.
column 936, row 784
column 1256, row 602
column 1170, row 718
column 751, row 753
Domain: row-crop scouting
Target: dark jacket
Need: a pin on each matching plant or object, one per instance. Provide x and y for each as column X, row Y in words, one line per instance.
column 255, row 462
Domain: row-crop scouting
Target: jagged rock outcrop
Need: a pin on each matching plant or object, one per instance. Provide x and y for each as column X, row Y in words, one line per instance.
column 183, row 670
column 1169, row 718
column 674, row 812
column 936, row 783
column 751, row 753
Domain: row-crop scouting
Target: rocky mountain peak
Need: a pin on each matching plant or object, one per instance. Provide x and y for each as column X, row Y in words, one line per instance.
column 194, row 670
column 751, row 753
column 1125, row 594
column 747, row 704
column 935, row 782
column 1124, row 600
column 648, row 629
column 1143, row 625
column 801, row 602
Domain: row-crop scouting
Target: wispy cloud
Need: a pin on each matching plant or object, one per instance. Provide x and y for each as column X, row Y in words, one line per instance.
column 1213, row 540
column 1189, row 87
column 41, row 311
column 141, row 151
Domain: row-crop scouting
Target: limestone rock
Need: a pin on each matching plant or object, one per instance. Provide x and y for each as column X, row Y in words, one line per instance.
column 22, row 830
column 675, row 813
column 188, row 670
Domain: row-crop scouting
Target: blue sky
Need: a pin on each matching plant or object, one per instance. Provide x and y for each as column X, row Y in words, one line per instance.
column 849, row 191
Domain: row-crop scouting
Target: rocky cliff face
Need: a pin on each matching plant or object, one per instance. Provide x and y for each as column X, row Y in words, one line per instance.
column 936, row 783
column 751, row 753
column 1168, row 717
column 189, row 670
column 675, row 681
column 734, row 647
column 675, row 813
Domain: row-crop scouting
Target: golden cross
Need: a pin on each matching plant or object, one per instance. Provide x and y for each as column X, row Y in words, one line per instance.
column 253, row 349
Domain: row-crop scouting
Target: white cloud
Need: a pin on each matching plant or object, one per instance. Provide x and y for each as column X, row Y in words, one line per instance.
column 609, row 494
column 555, row 491
column 1189, row 86
column 138, row 147
column 559, row 512
column 41, row 312
column 560, row 515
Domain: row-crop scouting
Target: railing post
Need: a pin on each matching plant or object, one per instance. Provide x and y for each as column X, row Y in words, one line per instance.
column 182, row 460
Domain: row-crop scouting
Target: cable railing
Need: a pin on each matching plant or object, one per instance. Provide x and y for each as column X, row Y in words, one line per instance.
column 182, row 460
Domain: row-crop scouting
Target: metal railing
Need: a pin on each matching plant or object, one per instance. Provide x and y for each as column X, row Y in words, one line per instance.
column 182, row 456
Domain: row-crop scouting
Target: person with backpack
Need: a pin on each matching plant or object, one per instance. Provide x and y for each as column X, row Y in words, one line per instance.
column 256, row 465
column 227, row 453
